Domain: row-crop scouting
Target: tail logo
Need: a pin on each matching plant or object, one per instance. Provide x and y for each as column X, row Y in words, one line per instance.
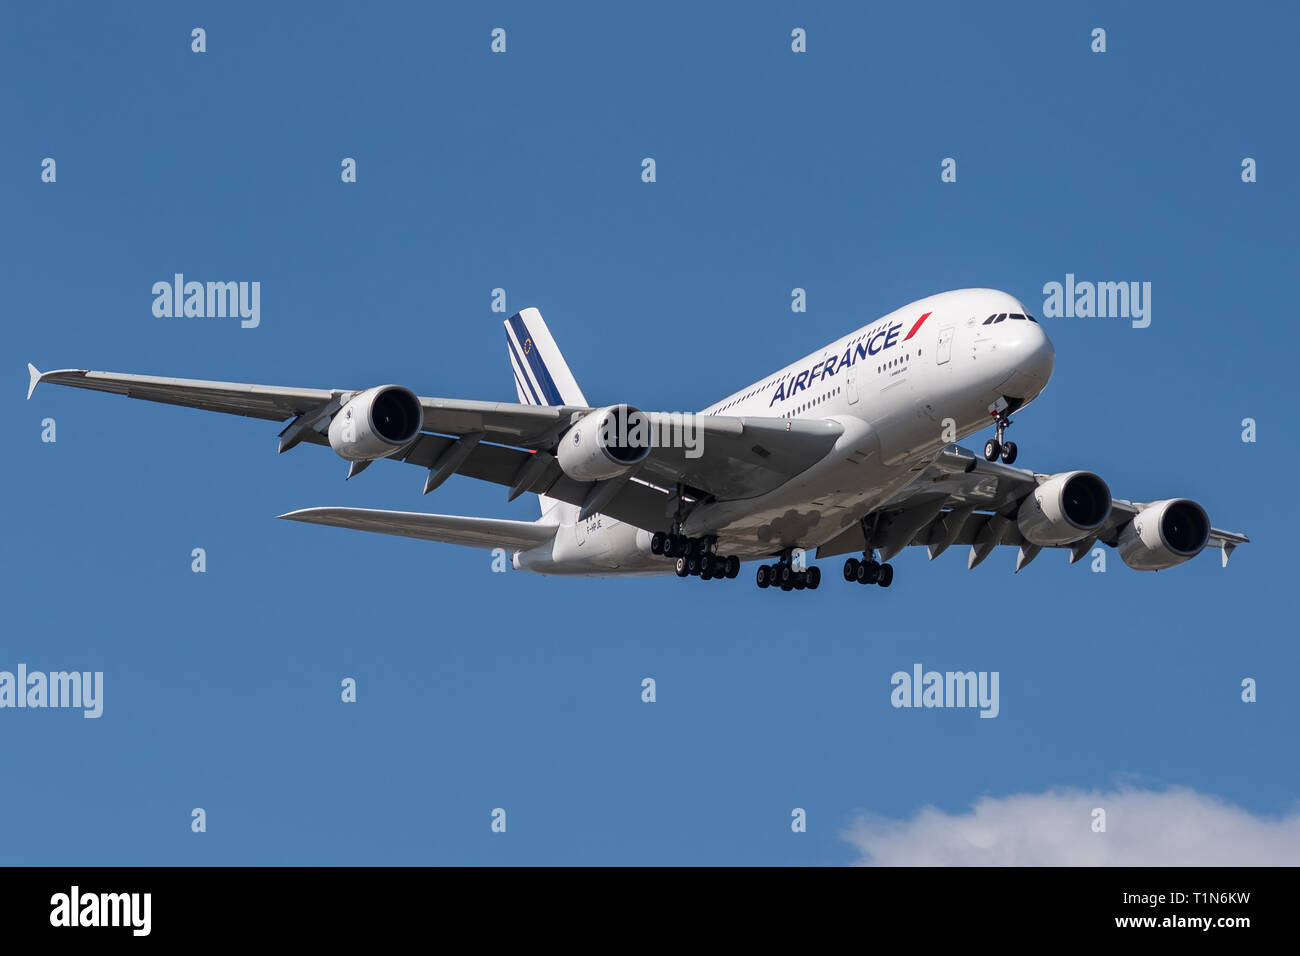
column 528, row 346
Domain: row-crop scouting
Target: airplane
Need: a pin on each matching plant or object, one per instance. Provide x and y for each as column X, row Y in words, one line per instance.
column 848, row 450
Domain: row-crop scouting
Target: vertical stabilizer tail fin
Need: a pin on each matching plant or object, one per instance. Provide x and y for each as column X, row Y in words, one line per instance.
column 542, row 377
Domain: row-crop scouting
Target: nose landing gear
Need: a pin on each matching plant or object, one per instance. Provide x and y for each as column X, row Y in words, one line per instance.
column 995, row 448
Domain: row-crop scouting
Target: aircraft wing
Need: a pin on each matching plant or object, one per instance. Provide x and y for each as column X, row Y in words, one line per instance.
column 498, row 421
column 512, row 444
column 959, row 498
column 741, row 456
column 451, row 529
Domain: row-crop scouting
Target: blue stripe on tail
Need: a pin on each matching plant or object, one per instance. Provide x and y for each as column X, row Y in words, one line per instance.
column 535, row 363
column 532, row 392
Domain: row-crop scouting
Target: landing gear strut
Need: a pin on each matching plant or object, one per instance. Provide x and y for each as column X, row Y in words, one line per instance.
column 695, row 556
column 995, row 447
column 868, row 570
column 784, row 575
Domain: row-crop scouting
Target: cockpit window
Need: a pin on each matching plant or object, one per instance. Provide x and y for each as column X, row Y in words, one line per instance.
column 1003, row 316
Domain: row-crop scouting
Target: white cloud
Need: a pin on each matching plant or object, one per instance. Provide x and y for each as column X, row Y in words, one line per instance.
column 1175, row 827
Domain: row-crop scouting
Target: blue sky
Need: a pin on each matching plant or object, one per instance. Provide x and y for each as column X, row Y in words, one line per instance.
column 522, row 171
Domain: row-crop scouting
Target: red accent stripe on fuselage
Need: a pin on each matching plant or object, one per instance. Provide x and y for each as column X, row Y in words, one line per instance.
column 915, row 327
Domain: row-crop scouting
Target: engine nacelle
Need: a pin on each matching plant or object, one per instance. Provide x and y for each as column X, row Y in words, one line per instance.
column 1164, row 534
column 376, row 423
column 1064, row 509
column 605, row 443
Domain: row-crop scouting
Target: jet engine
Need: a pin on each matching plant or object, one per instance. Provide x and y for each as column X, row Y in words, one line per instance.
column 376, row 423
column 1064, row 509
column 1164, row 534
column 605, row 443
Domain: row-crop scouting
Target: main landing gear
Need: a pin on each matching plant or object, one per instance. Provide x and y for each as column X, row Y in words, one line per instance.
column 869, row 571
column 695, row 556
column 783, row 575
column 995, row 447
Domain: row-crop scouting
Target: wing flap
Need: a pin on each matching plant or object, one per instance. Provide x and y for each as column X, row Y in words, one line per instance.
column 638, row 503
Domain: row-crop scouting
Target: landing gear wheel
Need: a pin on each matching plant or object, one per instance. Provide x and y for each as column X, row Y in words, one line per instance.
column 851, row 569
column 800, row 580
column 886, row 577
column 1009, row 453
column 764, row 576
column 657, row 542
column 992, row 448
column 681, row 568
column 733, row 566
column 692, row 564
column 868, row 572
column 814, row 577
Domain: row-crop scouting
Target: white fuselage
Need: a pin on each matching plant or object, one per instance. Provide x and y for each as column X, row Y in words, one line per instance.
column 901, row 387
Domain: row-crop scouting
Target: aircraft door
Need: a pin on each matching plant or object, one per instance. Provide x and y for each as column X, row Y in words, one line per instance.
column 944, row 352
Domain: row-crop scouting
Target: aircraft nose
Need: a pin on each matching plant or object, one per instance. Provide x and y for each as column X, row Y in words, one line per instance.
column 1032, row 359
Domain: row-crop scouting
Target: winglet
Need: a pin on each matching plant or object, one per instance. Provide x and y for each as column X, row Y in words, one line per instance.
column 35, row 374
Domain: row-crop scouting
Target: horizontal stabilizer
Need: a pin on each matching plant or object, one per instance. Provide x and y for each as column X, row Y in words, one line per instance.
column 451, row 529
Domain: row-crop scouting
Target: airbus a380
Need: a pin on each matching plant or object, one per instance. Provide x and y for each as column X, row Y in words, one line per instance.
column 849, row 450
